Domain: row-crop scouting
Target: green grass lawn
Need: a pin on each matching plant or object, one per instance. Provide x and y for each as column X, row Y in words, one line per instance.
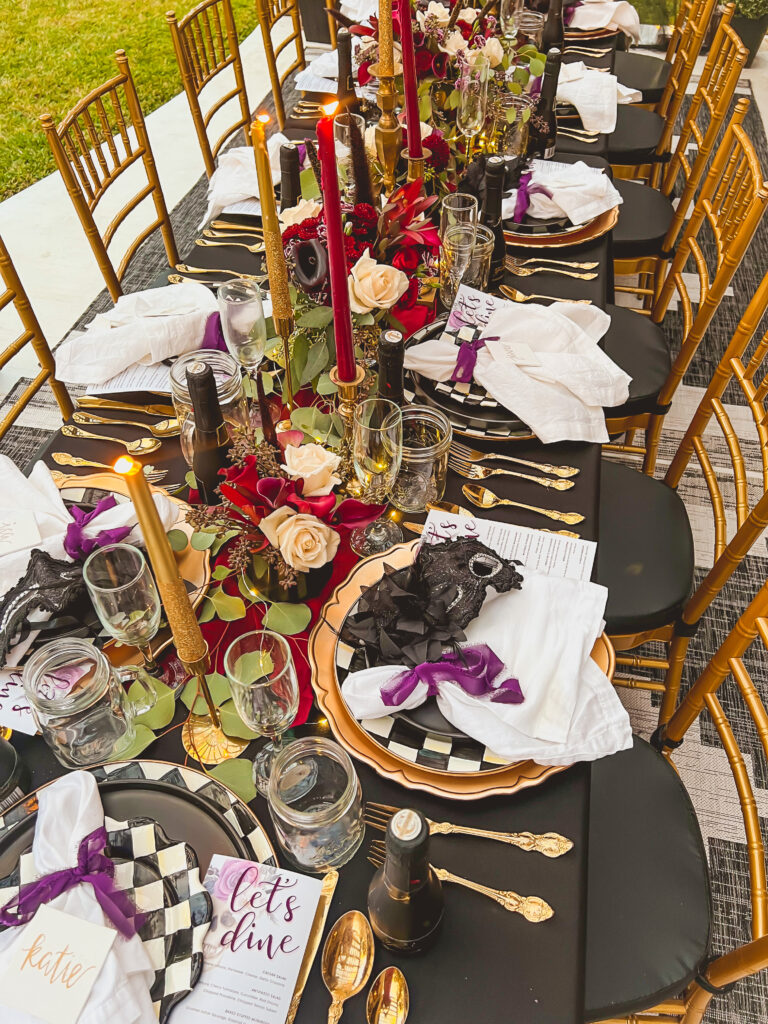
column 55, row 51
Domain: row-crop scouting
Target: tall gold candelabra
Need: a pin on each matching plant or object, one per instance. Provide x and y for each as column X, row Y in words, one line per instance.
column 389, row 132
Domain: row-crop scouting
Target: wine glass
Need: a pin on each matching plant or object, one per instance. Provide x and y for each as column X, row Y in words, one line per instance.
column 243, row 322
column 458, row 227
column 264, row 687
column 377, row 450
column 472, row 86
column 125, row 598
column 343, row 127
column 508, row 10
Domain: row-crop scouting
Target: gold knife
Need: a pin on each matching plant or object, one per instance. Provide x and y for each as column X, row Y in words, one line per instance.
column 330, row 879
column 94, row 402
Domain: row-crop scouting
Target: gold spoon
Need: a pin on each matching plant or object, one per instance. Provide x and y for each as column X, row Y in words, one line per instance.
column 143, row 446
column 165, row 428
column 211, row 233
column 388, row 999
column 230, row 225
column 516, row 296
column 94, row 402
column 258, row 247
column 347, row 960
column 484, row 498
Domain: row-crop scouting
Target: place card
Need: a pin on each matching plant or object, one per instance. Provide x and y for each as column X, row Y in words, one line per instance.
column 548, row 553
column 15, row 712
column 53, row 966
column 253, row 951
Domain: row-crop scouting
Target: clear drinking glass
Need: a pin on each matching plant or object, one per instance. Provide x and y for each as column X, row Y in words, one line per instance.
column 530, row 25
column 458, row 226
column 377, row 446
column 507, row 11
column 427, row 435
column 229, row 387
column 342, row 133
column 262, row 678
column 124, row 596
column 476, row 274
column 242, row 321
column 473, row 99
column 316, row 804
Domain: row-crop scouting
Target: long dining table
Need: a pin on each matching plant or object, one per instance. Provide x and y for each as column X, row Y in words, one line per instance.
column 488, row 962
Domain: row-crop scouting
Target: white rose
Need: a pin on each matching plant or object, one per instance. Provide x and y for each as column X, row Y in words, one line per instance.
column 454, row 44
column 438, row 11
column 494, row 51
column 304, row 209
column 315, row 465
column 374, row 285
column 469, row 14
column 303, row 540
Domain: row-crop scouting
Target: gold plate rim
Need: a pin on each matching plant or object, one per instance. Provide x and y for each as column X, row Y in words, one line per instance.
column 600, row 226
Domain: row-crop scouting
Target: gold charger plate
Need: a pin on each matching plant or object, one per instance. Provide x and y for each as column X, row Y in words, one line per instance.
column 508, row 778
column 589, row 233
column 194, row 566
column 572, row 35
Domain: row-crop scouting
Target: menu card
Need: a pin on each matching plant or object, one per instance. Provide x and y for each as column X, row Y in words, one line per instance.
column 474, row 308
column 15, row 712
column 548, row 553
column 253, row 951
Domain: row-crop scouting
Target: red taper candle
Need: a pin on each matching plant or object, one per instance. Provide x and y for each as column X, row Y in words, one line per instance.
column 337, row 260
column 410, row 83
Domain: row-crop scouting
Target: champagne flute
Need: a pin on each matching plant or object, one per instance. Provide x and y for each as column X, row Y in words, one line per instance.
column 508, row 10
column 377, row 449
column 265, row 690
column 472, row 86
column 244, row 327
column 458, row 227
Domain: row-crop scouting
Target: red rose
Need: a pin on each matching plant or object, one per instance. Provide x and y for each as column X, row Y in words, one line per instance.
column 408, row 300
column 439, row 151
column 291, row 232
column 308, row 229
column 423, row 62
column 406, row 259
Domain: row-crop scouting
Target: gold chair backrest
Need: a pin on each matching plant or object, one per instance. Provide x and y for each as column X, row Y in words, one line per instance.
column 710, row 102
column 748, row 637
column 99, row 139
column 31, row 334
column 687, row 13
column 206, row 44
column 271, row 12
column 688, row 49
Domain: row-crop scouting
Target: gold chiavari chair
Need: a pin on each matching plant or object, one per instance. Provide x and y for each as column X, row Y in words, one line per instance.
column 271, row 14
column 99, row 139
column 206, row 44
column 729, row 208
column 649, row 222
column 640, row 144
column 647, row 942
column 31, row 334
column 333, row 25
column 646, row 555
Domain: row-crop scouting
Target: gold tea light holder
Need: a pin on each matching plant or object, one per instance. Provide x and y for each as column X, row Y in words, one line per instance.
column 349, row 393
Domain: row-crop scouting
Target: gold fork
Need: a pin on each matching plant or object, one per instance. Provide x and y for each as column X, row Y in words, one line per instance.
column 516, row 296
column 472, row 472
column 184, row 269
column 586, row 139
column 211, row 233
column 154, row 476
column 532, row 908
column 230, row 225
column 257, row 247
column 551, row 844
column 485, row 498
column 514, row 261
column 528, row 271
column 473, row 455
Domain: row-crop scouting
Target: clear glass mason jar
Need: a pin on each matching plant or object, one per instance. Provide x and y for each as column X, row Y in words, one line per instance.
column 316, row 804
column 427, row 435
column 229, row 387
column 78, row 703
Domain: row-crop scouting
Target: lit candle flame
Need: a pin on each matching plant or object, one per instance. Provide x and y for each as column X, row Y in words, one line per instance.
column 264, row 118
column 125, row 465
column 330, row 108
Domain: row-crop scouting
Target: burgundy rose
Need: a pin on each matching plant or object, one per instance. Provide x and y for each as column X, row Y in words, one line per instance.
column 406, row 259
column 419, row 39
column 423, row 62
column 408, row 300
column 465, row 28
column 308, row 229
column 439, row 151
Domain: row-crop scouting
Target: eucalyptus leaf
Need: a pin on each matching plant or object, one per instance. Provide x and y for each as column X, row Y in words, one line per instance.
column 142, row 737
column 536, row 67
column 233, row 725
column 208, row 611
column 221, row 572
column 189, row 479
column 202, row 540
column 237, row 774
column 260, row 565
column 193, row 701
column 221, row 540
column 267, row 382
column 228, row 609
column 425, row 107
column 299, row 358
column 161, row 714
column 287, row 618
column 177, row 539
column 364, row 319
column 325, row 385
column 253, row 665
column 317, row 360
column 320, row 316
column 308, row 184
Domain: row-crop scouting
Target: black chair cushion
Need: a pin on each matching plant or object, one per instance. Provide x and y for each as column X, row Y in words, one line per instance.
column 648, row 897
column 636, row 137
column 645, row 554
column 639, row 347
column 644, row 219
column 644, row 72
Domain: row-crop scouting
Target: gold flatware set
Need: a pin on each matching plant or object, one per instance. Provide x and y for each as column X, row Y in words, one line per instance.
column 96, row 402
column 517, row 296
column 184, row 268
column 347, row 960
column 207, row 242
column 241, row 229
column 472, row 472
column 588, row 51
column 163, row 429
column 578, row 135
column 520, row 269
column 154, row 476
column 473, row 455
column 143, row 446
column 484, row 498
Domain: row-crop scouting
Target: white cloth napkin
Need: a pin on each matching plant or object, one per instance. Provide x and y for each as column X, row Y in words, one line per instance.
column 71, row 809
column 546, row 367
column 144, row 327
column 594, row 94
column 39, row 497
column 579, row 192
column 359, row 10
column 599, row 14
column 235, row 179
column 544, row 634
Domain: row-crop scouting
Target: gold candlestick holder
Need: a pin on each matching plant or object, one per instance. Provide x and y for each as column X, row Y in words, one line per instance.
column 202, row 736
column 348, row 394
column 389, row 132
column 416, row 164
column 284, row 327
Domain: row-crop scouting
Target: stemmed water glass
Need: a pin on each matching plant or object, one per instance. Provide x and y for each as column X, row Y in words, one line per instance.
column 243, row 322
column 472, row 87
column 458, row 227
column 507, row 11
column 125, row 598
column 262, row 679
column 377, row 450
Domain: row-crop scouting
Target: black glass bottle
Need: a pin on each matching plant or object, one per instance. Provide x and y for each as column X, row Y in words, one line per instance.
column 210, row 440
column 542, row 124
column 290, row 180
column 346, row 91
column 390, row 355
column 405, row 897
column 495, row 170
column 14, row 776
column 553, row 33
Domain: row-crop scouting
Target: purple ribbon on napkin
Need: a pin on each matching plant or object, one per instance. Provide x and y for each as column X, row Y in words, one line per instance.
column 77, row 545
column 524, row 192
column 467, row 359
column 213, row 336
column 473, row 668
column 94, row 868
column 570, row 10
